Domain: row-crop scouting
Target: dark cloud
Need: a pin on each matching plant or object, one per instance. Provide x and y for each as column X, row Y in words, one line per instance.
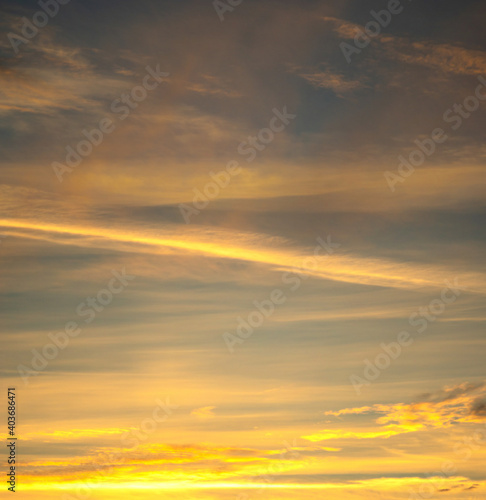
column 479, row 407
column 449, row 394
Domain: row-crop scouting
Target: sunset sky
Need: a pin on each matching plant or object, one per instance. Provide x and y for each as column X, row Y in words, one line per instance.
column 242, row 248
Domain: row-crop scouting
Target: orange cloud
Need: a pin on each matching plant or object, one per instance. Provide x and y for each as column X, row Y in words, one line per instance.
column 451, row 406
column 204, row 413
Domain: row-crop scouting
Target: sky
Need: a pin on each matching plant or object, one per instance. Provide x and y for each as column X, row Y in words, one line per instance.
column 242, row 248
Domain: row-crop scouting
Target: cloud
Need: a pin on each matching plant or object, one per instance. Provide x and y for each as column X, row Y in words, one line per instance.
column 479, row 407
column 445, row 57
column 345, row 29
column 437, row 56
column 452, row 393
column 448, row 407
column 204, row 413
column 329, row 79
column 165, row 463
column 213, row 85
column 43, row 219
column 244, row 247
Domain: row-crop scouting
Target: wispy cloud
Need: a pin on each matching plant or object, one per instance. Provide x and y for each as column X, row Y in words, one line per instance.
column 451, row 406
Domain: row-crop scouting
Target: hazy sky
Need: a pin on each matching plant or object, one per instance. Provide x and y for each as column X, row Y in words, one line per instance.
column 242, row 248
